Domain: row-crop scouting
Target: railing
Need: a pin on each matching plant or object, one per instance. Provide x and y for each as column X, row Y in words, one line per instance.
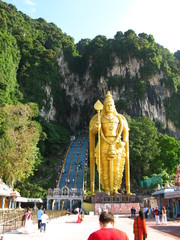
column 71, row 163
column 14, row 223
column 6, row 215
column 77, row 192
column 77, row 168
column 84, row 159
column 59, row 179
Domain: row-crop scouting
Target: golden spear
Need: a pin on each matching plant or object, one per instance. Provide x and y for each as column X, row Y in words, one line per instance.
column 98, row 106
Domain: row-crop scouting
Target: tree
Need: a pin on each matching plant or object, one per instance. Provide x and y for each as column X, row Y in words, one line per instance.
column 82, row 45
column 169, row 154
column 177, row 56
column 19, row 136
column 143, row 146
column 119, row 35
column 56, row 137
column 9, row 60
column 30, row 190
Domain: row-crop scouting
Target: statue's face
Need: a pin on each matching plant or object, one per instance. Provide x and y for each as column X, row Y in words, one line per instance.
column 109, row 107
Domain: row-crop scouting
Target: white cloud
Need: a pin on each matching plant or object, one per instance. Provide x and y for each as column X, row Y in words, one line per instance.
column 31, row 5
column 159, row 18
column 29, row 2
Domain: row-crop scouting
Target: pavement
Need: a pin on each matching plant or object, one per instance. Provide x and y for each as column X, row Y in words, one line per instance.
column 66, row 228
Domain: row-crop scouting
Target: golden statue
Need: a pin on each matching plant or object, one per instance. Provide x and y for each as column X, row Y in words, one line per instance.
column 111, row 152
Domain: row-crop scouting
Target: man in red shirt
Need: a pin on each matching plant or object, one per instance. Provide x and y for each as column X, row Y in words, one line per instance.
column 107, row 230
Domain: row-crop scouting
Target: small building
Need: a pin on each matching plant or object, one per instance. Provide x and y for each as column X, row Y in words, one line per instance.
column 170, row 197
column 26, row 201
column 65, row 198
column 173, row 199
column 153, row 202
column 160, row 196
column 10, row 199
column 7, row 196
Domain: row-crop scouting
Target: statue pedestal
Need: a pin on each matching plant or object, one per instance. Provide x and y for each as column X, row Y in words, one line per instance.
column 117, row 203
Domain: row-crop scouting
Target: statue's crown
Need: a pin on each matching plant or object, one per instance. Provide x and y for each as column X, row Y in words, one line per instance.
column 108, row 98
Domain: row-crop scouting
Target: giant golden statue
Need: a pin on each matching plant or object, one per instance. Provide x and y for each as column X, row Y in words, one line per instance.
column 112, row 149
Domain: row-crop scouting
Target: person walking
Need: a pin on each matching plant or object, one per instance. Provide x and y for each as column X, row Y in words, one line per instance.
column 39, row 216
column 107, row 230
column 28, row 222
column 139, row 227
column 44, row 220
column 23, row 219
column 164, row 216
column 132, row 211
column 157, row 213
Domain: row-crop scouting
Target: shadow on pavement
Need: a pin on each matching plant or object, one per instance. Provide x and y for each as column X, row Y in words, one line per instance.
column 173, row 230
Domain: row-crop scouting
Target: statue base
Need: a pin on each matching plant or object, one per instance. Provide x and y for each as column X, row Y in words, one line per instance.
column 117, row 203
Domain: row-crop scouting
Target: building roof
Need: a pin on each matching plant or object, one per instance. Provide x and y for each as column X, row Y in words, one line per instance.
column 4, row 189
column 23, row 199
column 163, row 191
column 174, row 194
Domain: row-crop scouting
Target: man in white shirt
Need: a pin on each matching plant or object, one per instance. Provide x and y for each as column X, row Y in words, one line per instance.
column 44, row 219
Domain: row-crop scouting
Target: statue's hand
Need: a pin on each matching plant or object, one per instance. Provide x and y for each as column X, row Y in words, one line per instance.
column 120, row 144
column 94, row 127
column 97, row 125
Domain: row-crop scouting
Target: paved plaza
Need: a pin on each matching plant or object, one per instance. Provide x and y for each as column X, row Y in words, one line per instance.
column 66, row 228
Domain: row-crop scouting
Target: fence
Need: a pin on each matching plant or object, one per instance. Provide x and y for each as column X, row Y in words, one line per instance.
column 12, row 220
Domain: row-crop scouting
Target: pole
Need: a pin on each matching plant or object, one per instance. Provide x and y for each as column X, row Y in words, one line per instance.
column 99, row 106
column 99, row 147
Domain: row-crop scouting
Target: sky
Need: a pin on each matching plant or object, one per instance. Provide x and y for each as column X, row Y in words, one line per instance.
column 89, row 18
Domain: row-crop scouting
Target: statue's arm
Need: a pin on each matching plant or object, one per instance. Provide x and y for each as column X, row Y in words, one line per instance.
column 125, row 133
column 93, row 126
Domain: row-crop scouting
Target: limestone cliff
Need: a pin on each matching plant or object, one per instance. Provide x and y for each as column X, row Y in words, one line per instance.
column 83, row 94
column 66, row 79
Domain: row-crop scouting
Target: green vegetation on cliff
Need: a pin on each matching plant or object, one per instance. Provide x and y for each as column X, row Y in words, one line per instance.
column 30, row 78
column 28, row 63
column 39, row 44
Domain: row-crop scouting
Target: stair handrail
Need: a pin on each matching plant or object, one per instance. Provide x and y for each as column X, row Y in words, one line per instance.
column 71, row 162
column 77, row 168
column 60, row 175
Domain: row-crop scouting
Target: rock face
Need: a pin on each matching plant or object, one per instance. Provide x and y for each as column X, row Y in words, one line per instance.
column 50, row 115
column 83, row 93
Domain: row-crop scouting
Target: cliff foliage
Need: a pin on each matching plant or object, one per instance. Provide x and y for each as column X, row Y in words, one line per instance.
column 29, row 53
